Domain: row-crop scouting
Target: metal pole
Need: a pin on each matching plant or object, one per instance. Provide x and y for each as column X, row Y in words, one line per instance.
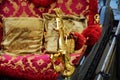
column 109, row 54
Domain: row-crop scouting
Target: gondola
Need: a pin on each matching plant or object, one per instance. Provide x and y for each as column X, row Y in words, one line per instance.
column 94, row 61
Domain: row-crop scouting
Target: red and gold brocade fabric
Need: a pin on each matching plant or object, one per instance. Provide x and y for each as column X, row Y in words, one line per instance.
column 25, row 8
column 32, row 66
column 31, row 63
column 17, row 8
column 28, row 67
column 38, row 67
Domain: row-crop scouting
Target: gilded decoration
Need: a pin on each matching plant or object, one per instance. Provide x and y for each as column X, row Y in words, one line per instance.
column 20, row 8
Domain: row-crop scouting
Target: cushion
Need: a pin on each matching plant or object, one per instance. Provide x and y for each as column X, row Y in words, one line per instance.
column 71, row 24
column 34, row 66
column 30, row 66
column 27, row 67
column 27, row 33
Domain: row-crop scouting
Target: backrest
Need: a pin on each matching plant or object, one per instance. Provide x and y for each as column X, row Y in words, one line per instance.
column 26, row 8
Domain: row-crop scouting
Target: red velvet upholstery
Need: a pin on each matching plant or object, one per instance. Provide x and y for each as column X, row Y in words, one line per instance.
column 29, row 67
column 35, row 66
column 32, row 66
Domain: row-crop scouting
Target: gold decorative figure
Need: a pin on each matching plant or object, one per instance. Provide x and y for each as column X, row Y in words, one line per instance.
column 62, row 47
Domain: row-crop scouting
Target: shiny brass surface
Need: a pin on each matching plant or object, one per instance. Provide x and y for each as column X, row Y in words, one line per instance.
column 63, row 50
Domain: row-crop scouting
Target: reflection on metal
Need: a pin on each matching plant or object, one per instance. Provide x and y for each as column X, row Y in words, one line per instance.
column 63, row 50
column 108, row 58
column 82, row 61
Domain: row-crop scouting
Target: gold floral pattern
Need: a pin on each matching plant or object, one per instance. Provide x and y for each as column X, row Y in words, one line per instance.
column 18, row 8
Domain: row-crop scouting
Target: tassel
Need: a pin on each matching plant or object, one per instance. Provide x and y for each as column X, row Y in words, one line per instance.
column 92, row 33
column 79, row 40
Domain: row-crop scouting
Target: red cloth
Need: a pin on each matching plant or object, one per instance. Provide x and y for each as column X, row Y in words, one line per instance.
column 26, row 71
column 79, row 40
column 93, row 10
column 17, row 8
column 43, row 3
column 93, row 30
column 92, row 34
column 32, row 66
column 28, row 67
